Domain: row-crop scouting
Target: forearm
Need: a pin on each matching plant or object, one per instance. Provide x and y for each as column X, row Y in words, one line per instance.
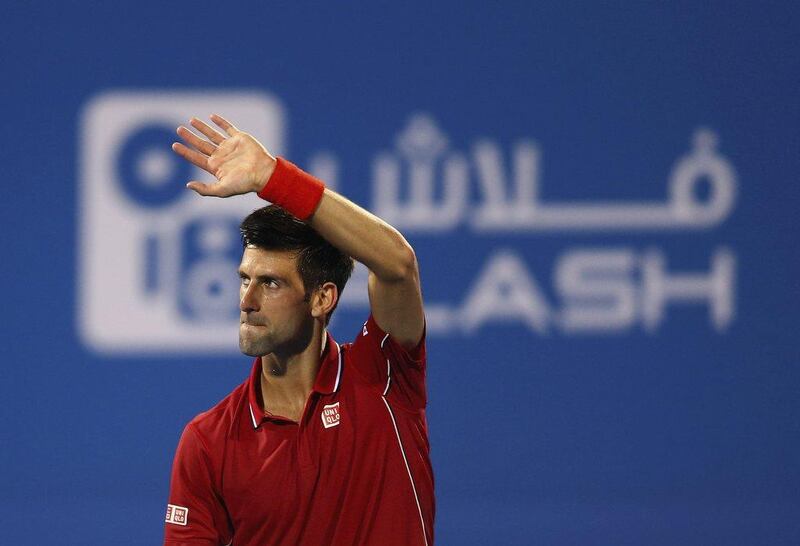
column 341, row 222
column 365, row 237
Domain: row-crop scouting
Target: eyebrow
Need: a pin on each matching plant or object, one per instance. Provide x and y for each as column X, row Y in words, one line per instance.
column 263, row 277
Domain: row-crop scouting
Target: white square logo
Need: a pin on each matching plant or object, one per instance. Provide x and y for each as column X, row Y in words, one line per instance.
column 157, row 263
column 179, row 515
column 330, row 415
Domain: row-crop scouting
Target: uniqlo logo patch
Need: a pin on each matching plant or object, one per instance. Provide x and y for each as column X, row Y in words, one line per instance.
column 330, row 415
column 179, row 515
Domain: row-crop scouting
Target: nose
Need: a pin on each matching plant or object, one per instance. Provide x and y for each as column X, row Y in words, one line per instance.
column 248, row 301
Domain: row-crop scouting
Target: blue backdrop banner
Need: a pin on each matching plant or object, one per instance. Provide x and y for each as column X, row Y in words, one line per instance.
column 602, row 198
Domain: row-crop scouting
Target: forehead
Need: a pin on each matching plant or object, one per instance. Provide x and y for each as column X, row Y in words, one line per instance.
column 259, row 261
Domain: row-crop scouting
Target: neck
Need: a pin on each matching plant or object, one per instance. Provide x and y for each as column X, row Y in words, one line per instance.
column 287, row 380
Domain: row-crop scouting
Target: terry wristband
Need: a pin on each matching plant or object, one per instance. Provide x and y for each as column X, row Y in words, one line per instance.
column 293, row 189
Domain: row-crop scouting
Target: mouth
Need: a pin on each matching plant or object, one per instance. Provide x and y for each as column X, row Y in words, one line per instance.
column 251, row 324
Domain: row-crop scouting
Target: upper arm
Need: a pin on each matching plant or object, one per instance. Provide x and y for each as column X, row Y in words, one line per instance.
column 396, row 305
column 203, row 516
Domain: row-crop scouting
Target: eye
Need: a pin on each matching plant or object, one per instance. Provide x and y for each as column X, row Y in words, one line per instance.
column 245, row 280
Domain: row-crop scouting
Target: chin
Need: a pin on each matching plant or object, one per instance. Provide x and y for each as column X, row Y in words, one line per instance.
column 247, row 351
column 251, row 351
column 253, row 347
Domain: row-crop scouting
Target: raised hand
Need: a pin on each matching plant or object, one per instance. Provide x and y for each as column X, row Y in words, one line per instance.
column 238, row 161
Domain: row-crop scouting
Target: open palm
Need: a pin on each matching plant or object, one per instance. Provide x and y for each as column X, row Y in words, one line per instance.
column 238, row 161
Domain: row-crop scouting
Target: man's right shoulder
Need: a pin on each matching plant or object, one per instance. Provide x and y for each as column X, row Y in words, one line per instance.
column 222, row 418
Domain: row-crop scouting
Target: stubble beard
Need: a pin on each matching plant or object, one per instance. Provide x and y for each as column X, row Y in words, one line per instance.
column 254, row 346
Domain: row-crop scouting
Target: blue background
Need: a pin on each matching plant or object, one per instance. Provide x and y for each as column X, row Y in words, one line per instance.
column 682, row 436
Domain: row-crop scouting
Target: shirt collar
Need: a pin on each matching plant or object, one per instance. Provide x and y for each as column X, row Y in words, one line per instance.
column 328, row 379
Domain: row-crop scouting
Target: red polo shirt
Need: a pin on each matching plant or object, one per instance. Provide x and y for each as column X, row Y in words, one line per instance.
column 354, row 470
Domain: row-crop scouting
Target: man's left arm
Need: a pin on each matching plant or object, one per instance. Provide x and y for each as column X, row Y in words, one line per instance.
column 394, row 286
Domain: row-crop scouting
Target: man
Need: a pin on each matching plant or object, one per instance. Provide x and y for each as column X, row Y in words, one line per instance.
column 324, row 444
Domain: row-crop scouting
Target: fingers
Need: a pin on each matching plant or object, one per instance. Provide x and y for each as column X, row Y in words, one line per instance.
column 199, row 154
column 203, row 145
column 223, row 123
column 212, row 134
column 192, row 156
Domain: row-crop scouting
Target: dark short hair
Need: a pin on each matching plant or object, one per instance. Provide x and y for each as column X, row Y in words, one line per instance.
column 318, row 261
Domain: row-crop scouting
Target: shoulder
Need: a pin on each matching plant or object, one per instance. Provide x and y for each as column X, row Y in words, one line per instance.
column 372, row 339
column 217, row 422
column 381, row 361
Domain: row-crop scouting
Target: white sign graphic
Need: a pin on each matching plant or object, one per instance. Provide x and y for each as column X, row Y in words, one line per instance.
column 157, row 263
column 512, row 203
column 597, row 290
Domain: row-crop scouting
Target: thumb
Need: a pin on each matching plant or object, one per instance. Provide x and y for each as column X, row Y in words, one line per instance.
column 207, row 190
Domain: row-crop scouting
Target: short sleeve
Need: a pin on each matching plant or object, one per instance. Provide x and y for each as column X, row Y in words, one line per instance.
column 398, row 372
column 196, row 514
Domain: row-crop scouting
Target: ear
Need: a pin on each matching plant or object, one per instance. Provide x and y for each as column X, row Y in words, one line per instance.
column 323, row 300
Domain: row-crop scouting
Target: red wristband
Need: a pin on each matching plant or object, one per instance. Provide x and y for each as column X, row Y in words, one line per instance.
column 293, row 189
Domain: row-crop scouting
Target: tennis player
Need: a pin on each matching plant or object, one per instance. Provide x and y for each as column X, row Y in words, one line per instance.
column 324, row 443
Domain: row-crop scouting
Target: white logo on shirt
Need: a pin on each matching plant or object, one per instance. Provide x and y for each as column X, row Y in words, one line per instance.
column 330, row 415
column 364, row 329
column 179, row 515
